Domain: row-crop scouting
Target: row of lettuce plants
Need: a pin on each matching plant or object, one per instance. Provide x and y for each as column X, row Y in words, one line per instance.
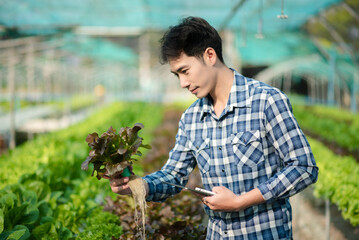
column 338, row 175
column 331, row 124
column 72, row 104
column 338, row 180
column 45, row 194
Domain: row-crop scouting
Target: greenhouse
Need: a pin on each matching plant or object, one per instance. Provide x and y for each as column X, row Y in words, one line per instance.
column 80, row 79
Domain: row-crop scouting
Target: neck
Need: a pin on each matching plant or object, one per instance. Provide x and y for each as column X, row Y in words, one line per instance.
column 222, row 88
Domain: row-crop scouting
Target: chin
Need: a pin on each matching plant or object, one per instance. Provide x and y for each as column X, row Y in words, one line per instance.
column 200, row 96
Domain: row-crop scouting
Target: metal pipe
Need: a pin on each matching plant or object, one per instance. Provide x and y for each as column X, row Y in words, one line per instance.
column 339, row 39
column 350, row 11
column 231, row 14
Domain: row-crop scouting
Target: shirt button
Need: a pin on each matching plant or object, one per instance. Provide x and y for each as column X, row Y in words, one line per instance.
column 219, row 125
column 222, row 170
column 225, row 232
column 220, row 148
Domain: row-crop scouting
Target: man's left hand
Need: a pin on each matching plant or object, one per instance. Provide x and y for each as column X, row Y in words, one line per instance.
column 226, row 200
column 223, row 200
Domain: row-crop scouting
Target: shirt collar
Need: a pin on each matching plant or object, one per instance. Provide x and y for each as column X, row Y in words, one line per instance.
column 238, row 97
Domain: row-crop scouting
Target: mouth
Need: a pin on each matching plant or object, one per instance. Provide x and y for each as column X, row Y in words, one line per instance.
column 194, row 90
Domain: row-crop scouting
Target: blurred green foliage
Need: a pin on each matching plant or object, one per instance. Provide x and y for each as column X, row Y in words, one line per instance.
column 45, row 194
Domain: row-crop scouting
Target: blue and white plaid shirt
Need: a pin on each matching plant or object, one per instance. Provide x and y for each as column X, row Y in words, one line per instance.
column 255, row 143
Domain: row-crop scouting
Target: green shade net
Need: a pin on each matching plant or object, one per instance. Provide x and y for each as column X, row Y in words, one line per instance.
column 273, row 48
column 157, row 14
column 100, row 49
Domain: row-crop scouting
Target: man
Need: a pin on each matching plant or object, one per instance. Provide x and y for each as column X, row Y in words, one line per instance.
column 242, row 135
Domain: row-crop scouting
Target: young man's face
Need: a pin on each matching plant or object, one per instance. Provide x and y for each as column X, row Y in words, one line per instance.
column 194, row 74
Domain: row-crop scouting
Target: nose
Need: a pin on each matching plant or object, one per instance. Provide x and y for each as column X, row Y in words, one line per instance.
column 184, row 82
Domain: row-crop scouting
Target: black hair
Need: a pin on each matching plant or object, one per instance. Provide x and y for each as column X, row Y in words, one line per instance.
column 193, row 35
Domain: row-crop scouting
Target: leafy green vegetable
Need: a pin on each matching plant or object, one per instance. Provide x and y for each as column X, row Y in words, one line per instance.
column 1, row 220
column 20, row 232
column 95, row 229
column 45, row 230
column 112, row 150
column 333, row 125
column 46, row 177
column 338, row 180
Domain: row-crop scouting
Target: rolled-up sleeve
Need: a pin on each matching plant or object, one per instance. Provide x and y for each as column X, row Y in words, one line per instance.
column 180, row 164
column 283, row 132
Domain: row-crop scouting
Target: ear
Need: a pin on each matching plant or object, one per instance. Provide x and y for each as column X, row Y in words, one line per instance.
column 210, row 56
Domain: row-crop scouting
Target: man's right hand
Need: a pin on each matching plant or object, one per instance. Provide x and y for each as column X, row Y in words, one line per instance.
column 119, row 184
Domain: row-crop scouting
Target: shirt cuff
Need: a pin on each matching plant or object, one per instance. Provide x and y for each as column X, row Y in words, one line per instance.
column 266, row 192
column 151, row 189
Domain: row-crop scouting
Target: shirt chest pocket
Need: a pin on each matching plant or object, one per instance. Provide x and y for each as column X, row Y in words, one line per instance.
column 202, row 152
column 247, row 148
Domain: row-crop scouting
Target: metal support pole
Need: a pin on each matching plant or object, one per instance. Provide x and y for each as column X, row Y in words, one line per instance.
column 259, row 33
column 331, row 79
column 311, row 88
column 30, row 69
column 287, row 84
column 230, row 52
column 145, row 65
column 48, row 69
column 30, row 76
column 11, row 82
column 1, row 81
column 353, row 98
column 327, row 219
column 317, row 90
column 323, row 90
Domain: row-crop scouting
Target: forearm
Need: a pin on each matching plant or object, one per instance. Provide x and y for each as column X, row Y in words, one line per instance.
column 158, row 191
column 253, row 197
column 289, row 181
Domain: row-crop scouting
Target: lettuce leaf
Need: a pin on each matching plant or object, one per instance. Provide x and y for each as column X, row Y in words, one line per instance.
column 113, row 148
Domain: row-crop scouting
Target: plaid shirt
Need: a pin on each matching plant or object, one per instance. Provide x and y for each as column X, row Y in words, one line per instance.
column 255, row 143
